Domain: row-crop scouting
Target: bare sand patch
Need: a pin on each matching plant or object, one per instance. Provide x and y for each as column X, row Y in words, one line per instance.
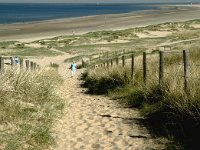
column 144, row 35
column 152, row 34
column 34, row 45
column 159, row 33
column 197, row 26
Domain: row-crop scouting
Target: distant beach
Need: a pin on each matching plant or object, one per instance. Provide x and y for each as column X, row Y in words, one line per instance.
column 78, row 25
column 26, row 12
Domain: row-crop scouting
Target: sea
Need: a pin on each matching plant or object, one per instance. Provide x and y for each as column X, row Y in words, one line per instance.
column 30, row 12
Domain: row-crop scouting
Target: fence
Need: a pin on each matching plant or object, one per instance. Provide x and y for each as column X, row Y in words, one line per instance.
column 185, row 56
column 105, row 59
column 16, row 61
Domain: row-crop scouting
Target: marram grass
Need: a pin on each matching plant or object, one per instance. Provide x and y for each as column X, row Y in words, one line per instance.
column 173, row 109
column 28, row 105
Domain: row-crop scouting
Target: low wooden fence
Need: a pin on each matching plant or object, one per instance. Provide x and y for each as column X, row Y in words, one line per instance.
column 108, row 62
column 22, row 63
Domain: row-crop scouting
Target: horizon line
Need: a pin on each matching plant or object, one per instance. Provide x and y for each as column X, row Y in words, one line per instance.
column 99, row 3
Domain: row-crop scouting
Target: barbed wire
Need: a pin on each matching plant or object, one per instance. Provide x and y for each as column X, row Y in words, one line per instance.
column 171, row 52
column 173, row 64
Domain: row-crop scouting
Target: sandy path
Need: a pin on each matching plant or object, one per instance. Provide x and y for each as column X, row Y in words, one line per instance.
column 96, row 122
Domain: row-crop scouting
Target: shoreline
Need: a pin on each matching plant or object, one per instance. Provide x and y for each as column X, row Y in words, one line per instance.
column 28, row 32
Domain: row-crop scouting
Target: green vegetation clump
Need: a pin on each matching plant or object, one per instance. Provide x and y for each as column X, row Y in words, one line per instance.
column 54, row 65
column 187, row 35
column 102, row 80
column 20, row 45
column 30, row 52
column 28, row 106
column 170, row 26
column 6, row 44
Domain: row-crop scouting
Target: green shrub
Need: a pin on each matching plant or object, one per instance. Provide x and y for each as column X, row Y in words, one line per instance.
column 102, row 80
column 54, row 65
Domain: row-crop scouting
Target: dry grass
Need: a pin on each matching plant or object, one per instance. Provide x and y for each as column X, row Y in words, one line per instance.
column 175, row 108
column 28, row 105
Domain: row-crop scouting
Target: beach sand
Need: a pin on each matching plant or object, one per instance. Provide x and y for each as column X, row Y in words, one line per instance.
column 27, row 32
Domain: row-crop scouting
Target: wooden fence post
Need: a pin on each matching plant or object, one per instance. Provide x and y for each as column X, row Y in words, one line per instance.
column 27, row 64
column 124, row 51
column 111, row 62
column 144, row 67
column 186, row 68
column 132, row 66
column 161, row 66
column 107, row 62
column 90, row 60
column 34, row 66
column 123, row 61
column 21, row 64
column 31, row 63
column 117, row 60
column 104, row 64
column 83, row 63
column 12, row 62
column 107, row 59
column 1, row 65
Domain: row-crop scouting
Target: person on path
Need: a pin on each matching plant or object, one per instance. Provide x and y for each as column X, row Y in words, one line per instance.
column 73, row 69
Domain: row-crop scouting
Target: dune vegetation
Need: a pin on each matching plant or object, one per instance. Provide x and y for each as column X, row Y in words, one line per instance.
column 29, row 102
column 28, row 106
column 169, row 109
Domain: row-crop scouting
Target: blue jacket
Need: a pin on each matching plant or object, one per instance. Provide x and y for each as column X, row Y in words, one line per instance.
column 73, row 67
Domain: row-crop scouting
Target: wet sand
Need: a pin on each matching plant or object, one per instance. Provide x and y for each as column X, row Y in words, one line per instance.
column 45, row 29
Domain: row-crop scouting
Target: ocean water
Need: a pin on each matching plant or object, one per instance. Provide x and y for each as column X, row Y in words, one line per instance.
column 22, row 13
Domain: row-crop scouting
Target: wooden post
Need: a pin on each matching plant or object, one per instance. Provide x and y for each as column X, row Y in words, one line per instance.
column 90, row 60
column 144, row 67
column 186, row 68
column 123, row 61
column 12, row 62
column 124, row 51
column 107, row 60
column 38, row 66
column 161, row 66
column 111, row 62
column 31, row 63
column 83, row 63
column 1, row 65
column 34, row 66
column 104, row 64
column 132, row 66
column 107, row 63
column 21, row 64
column 117, row 60
column 27, row 64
